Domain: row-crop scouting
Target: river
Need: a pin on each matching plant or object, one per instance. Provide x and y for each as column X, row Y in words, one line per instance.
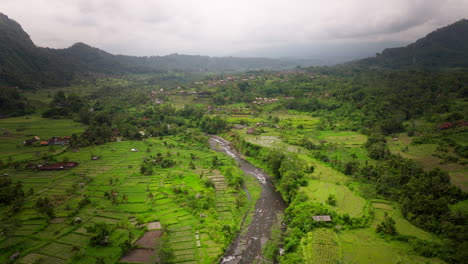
column 247, row 247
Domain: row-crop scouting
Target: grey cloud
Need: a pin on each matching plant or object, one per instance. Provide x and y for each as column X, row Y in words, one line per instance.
column 215, row 27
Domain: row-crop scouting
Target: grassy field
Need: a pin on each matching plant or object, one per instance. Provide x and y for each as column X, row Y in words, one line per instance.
column 360, row 246
column 347, row 246
column 343, row 137
column 401, row 224
column 363, row 246
column 347, row 202
column 424, row 155
column 345, row 145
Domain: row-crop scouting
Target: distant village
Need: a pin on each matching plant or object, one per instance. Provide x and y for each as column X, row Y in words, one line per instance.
column 36, row 141
column 53, row 141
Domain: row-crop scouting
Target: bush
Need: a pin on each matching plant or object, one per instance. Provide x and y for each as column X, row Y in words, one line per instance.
column 331, row 200
column 100, row 233
column 387, row 226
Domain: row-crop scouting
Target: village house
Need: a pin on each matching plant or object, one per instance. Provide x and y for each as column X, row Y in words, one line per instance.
column 31, row 141
column 260, row 100
column 203, row 94
column 238, row 126
column 58, row 166
column 250, row 131
column 321, row 218
column 59, row 140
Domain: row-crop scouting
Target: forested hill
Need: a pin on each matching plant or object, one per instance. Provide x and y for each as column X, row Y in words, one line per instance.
column 445, row 47
column 25, row 65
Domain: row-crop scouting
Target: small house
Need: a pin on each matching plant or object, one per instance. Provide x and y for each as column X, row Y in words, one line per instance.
column 134, row 150
column 238, row 126
column 59, row 140
column 58, row 166
column 154, row 226
column 31, row 141
column 251, row 131
column 321, row 218
column 15, row 256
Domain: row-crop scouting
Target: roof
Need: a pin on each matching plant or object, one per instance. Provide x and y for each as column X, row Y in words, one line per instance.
column 319, row 218
column 154, row 225
column 58, row 166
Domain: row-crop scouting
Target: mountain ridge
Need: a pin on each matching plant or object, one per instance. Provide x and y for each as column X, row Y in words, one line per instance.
column 445, row 47
column 25, row 65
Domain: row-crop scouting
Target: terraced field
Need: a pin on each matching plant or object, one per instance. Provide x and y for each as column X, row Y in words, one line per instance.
column 363, row 246
column 193, row 238
column 321, row 246
column 346, row 200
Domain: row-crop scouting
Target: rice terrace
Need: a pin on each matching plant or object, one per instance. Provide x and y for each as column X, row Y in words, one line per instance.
column 229, row 159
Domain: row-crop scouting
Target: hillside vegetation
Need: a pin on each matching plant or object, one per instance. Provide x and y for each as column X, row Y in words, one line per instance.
column 445, row 47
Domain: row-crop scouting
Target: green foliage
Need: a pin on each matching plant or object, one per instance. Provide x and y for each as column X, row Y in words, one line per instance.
column 13, row 103
column 331, row 200
column 62, row 106
column 213, row 125
column 426, row 197
column 44, row 205
column 439, row 49
column 299, row 214
column 10, row 192
column 376, row 147
column 387, row 226
column 164, row 252
column 100, row 233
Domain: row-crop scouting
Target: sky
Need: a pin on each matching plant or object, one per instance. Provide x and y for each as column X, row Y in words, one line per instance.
column 268, row 28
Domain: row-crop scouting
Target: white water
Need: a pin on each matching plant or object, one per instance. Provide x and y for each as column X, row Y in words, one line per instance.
column 257, row 173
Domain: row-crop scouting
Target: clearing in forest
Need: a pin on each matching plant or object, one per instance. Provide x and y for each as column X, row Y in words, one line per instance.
column 346, row 200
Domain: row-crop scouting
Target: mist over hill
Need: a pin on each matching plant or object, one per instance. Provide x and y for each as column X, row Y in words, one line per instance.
column 445, row 47
column 25, row 65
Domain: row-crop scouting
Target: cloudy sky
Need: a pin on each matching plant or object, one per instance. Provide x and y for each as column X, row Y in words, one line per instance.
column 230, row 27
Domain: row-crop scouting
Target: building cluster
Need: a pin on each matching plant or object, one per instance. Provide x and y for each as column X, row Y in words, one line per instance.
column 51, row 142
column 261, row 100
column 228, row 79
column 447, row 125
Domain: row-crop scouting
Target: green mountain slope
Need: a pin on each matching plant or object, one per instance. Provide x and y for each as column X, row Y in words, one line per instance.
column 444, row 47
column 23, row 64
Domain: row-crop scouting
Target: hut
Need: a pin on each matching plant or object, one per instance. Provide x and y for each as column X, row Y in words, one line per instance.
column 58, row 166
column 321, row 218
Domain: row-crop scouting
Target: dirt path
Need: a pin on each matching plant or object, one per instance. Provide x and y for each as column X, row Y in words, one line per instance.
column 247, row 247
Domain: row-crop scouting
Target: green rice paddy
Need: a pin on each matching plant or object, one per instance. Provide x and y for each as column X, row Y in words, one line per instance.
column 191, row 237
